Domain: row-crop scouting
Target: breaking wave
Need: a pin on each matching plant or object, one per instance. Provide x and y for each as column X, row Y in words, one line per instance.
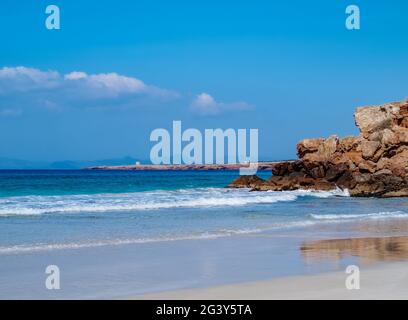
column 150, row 200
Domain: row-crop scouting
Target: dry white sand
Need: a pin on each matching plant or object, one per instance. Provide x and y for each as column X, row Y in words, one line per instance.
column 385, row 281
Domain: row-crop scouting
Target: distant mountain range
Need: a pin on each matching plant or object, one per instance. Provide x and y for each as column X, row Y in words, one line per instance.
column 9, row 164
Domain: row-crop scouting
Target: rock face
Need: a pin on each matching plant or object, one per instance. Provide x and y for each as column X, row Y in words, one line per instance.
column 246, row 182
column 375, row 163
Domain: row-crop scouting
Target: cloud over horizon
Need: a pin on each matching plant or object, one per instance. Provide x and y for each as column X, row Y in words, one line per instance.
column 24, row 87
column 21, row 86
column 205, row 104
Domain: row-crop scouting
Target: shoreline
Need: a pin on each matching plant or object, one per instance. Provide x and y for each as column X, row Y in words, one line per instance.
column 382, row 263
column 245, row 267
column 381, row 282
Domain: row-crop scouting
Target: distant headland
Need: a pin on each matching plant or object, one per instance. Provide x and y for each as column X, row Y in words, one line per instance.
column 264, row 165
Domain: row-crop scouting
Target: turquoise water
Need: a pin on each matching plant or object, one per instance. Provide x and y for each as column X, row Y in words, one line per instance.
column 54, row 210
column 70, row 182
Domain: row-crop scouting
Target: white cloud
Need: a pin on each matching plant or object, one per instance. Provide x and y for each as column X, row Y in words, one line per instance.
column 205, row 104
column 109, row 82
column 34, row 75
column 117, row 83
column 75, row 75
column 53, row 91
column 25, row 79
column 22, row 88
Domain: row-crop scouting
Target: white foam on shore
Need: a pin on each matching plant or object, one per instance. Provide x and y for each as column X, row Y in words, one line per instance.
column 150, row 200
column 116, row 242
column 319, row 193
column 221, row 233
column 66, row 246
column 39, row 247
column 377, row 215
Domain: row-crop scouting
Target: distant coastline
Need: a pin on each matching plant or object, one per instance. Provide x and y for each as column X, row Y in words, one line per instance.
column 264, row 165
column 21, row 164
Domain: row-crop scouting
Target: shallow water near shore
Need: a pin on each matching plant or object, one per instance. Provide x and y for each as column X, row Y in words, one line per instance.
column 124, row 233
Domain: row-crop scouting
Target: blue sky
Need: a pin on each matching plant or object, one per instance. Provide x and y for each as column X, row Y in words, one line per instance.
column 119, row 69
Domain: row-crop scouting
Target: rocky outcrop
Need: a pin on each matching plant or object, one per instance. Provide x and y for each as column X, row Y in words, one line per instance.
column 246, row 182
column 375, row 163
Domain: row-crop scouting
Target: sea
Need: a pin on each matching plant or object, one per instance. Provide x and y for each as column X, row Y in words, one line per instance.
column 178, row 229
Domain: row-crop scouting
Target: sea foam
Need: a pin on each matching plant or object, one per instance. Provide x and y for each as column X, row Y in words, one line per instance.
column 149, row 200
column 375, row 215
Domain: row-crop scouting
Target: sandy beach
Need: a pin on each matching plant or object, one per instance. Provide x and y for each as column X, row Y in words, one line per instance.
column 269, row 265
column 382, row 275
column 380, row 278
column 388, row 281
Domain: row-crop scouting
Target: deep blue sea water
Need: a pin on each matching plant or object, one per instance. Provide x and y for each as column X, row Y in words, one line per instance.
column 53, row 210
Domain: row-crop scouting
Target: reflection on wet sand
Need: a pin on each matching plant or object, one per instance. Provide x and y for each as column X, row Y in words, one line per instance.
column 382, row 227
column 369, row 250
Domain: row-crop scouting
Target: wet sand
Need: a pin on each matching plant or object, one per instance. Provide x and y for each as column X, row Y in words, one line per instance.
column 369, row 250
column 307, row 263
column 382, row 263
column 382, row 282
